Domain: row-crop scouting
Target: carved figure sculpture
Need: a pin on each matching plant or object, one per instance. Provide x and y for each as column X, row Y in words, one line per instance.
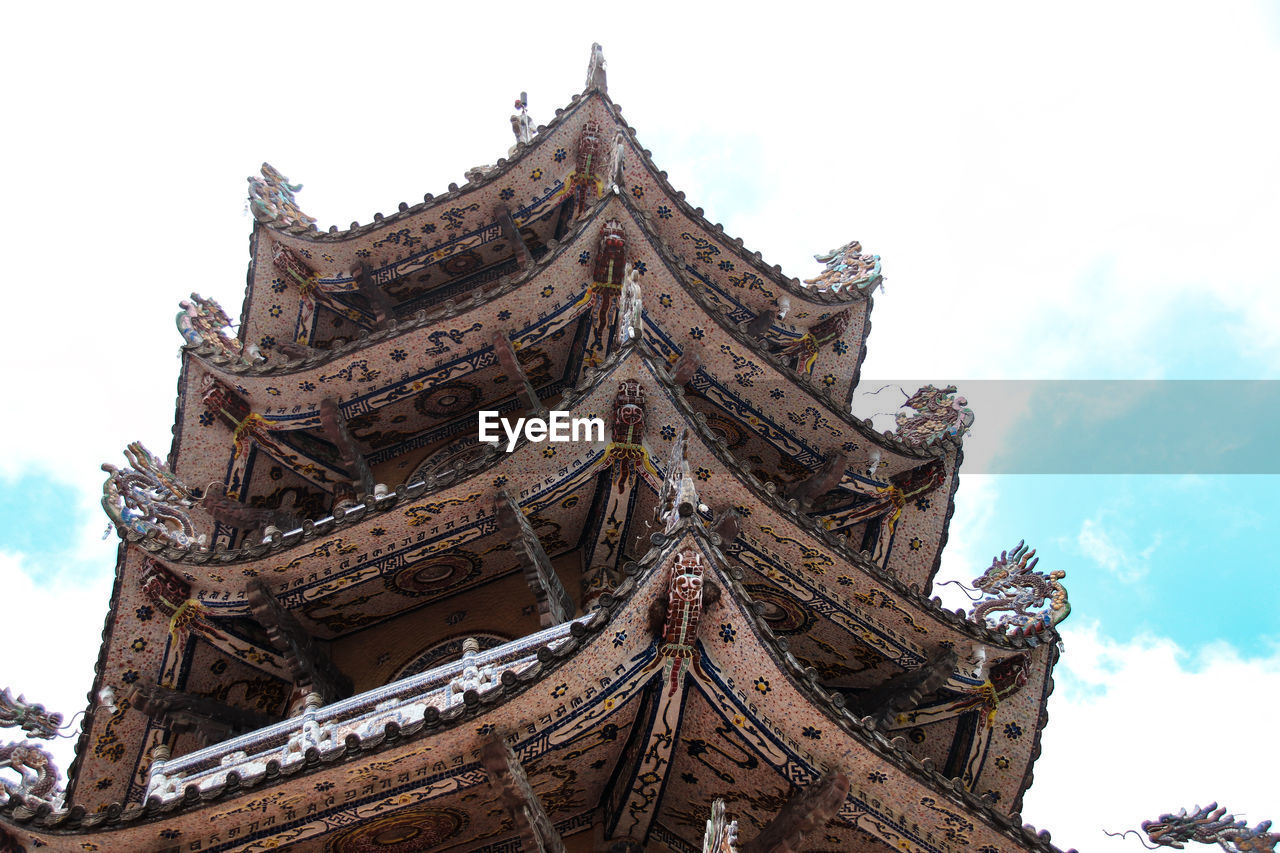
column 626, row 452
column 34, row 719
column 148, row 499
column 584, row 185
column 684, row 610
column 1208, row 825
column 939, row 412
column 629, row 307
column 606, row 283
column 38, row 772
column 271, row 199
column 595, row 69
column 1033, row 600
column 679, row 497
column 847, row 267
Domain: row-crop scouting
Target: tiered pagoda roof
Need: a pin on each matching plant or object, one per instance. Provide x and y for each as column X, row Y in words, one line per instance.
column 342, row 622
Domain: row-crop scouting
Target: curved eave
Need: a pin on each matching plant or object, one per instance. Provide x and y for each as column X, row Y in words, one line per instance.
column 886, row 441
column 864, row 731
column 819, row 298
column 115, row 817
column 788, row 509
column 219, row 363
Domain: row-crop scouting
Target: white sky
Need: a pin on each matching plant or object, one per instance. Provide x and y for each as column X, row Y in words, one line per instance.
column 1056, row 193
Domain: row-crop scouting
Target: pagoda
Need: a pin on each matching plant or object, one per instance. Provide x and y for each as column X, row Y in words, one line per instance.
column 341, row 621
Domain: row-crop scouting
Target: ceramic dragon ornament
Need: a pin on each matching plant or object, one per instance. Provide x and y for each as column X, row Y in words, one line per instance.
column 203, row 322
column 1018, row 600
column 149, row 500
column 847, row 268
column 939, row 413
column 271, row 198
column 1208, row 825
column 35, row 768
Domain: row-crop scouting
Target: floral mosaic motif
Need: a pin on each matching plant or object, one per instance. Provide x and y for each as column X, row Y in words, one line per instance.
column 664, row 299
column 811, row 733
column 1017, row 599
column 916, row 543
column 697, row 333
column 664, row 212
column 278, row 285
column 703, row 474
column 847, row 269
column 536, row 175
column 876, row 776
column 584, row 258
column 939, row 413
column 637, row 191
column 271, row 198
column 728, row 633
column 560, row 155
column 762, row 686
column 148, row 499
column 1012, row 731
column 619, row 638
column 507, row 194
column 668, row 432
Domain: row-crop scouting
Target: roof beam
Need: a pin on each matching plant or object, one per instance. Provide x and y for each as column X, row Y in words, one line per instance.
column 379, row 303
column 555, row 606
column 905, row 690
column 210, row 720
column 821, row 481
column 509, row 230
column 808, row 809
column 336, row 430
column 508, row 778
column 515, row 374
column 311, row 668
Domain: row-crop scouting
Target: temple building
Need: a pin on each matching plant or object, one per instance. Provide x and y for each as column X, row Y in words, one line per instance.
column 342, row 621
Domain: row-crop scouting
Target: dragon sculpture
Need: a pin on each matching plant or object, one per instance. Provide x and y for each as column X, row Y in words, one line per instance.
column 36, row 767
column 148, row 499
column 847, row 267
column 1034, row 601
column 34, row 719
column 203, row 321
column 939, row 413
column 271, row 198
column 1208, row 825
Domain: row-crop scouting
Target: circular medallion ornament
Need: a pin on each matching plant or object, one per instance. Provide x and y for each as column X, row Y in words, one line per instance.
column 414, row 828
column 462, row 263
column 783, row 613
column 434, row 574
column 452, row 455
column 726, row 429
column 447, row 650
column 448, row 399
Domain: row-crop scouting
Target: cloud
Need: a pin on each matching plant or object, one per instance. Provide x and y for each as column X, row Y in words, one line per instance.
column 53, row 635
column 1144, row 727
column 1111, row 550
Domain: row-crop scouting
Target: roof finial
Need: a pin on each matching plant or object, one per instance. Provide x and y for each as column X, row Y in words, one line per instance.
column 595, row 69
column 521, row 124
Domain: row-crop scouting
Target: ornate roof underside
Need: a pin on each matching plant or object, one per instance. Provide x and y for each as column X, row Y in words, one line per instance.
column 725, row 595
